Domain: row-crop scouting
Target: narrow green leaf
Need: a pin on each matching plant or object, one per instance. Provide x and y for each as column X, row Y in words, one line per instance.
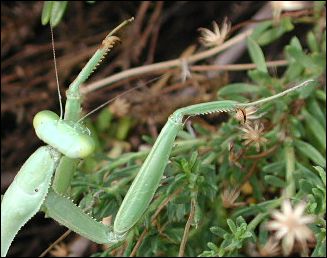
column 321, row 95
column 240, row 220
column 274, row 181
column 312, row 42
column 124, row 125
column 274, row 33
column 310, row 152
column 239, row 88
column 46, row 12
column 314, row 108
column 256, row 55
column 232, row 226
column 303, row 59
column 315, row 128
column 274, row 167
column 322, row 173
column 260, row 28
column 323, row 43
column 218, row 231
column 305, row 173
column 193, row 158
column 177, row 182
column 295, row 42
column 247, row 234
column 58, row 10
column 103, row 120
column 305, row 186
column 213, row 247
column 294, row 69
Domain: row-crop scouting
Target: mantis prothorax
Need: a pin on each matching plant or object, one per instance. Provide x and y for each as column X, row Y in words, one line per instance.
column 32, row 189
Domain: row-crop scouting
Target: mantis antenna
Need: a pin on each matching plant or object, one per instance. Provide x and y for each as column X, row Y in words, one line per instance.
column 118, row 96
column 56, row 71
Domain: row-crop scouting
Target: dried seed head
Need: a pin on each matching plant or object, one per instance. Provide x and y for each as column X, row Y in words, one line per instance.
column 244, row 115
column 291, row 225
column 216, row 37
column 233, row 156
column 120, row 107
column 270, row 248
column 229, row 197
column 253, row 134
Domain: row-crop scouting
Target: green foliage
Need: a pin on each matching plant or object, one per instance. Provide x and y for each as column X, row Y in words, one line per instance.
column 232, row 241
column 265, row 33
column 53, row 12
column 203, row 165
column 257, row 55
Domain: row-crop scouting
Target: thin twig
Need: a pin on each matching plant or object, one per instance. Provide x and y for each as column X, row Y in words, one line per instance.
column 153, row 219
column 138, row 243
column 62, row 237
column 262, row 154
column 163, row 65
column 187, row 230
column 293, row 14
column 236, row 67
column 248, row 175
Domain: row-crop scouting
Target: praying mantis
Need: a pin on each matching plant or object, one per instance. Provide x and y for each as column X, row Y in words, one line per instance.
column 42, row 181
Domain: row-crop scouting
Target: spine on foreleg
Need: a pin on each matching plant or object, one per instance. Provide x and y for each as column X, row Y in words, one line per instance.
column 25, row 195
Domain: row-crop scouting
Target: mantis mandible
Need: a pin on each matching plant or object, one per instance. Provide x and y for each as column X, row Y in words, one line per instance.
column 68, row 142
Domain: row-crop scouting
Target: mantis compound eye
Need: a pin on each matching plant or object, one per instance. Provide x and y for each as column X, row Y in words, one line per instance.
column 74, row 141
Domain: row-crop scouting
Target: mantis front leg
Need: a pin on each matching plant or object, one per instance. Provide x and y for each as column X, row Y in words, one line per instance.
column 147, row 180
column 25, row 196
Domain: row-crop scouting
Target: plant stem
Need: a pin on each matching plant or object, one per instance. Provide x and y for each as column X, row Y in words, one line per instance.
column 235, row 67
column 163, row 65
column 187, row 229
column 290, row 168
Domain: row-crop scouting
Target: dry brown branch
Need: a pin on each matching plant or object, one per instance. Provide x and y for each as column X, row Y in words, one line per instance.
column 163, row 65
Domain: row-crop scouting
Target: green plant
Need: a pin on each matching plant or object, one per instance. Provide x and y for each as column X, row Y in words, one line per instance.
column 201, row 166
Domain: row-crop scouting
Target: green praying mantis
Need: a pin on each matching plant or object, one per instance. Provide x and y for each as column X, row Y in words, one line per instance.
column 42, row 181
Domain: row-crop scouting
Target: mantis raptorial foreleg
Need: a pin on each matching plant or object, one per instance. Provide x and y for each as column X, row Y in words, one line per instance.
column 30, row 188
column 147, row 180
column 25, row 196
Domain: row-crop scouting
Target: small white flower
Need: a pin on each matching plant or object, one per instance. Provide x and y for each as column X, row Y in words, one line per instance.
column 291, row 225
column 216, row 37
column 120, row 107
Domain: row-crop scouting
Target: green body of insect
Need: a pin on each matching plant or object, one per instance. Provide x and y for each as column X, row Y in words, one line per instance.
column 69, row 138
column 29, row 190
column 25, row 195
column 147, row 180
